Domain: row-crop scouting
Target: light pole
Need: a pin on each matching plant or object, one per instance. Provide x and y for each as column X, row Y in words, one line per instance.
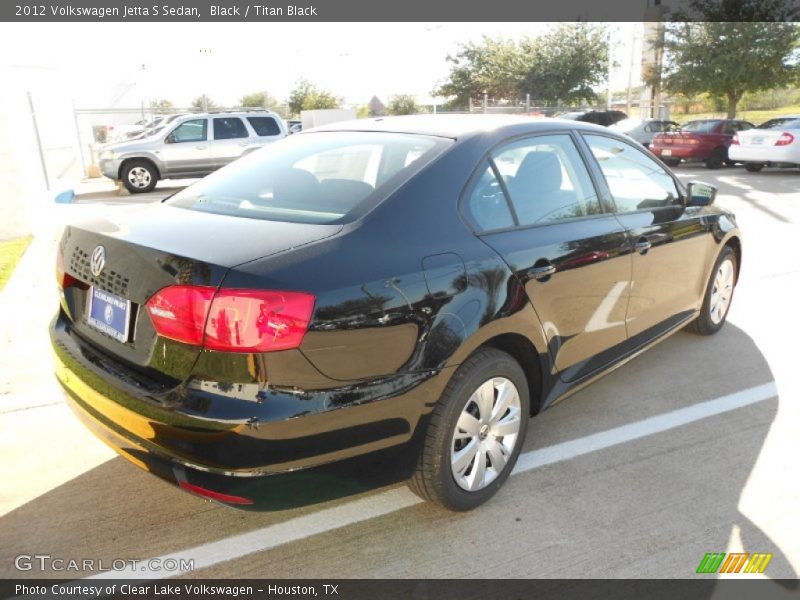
column 610, row 68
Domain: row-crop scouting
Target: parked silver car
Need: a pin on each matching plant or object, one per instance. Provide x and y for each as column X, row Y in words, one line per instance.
column 643, row 130
column 190, row 146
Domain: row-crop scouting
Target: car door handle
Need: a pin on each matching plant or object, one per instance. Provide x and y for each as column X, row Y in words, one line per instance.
column 243, row 144
column 542, row 272
column 642, row 245
column 201, row 147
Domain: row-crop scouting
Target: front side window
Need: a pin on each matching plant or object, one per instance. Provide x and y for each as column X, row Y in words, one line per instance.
column 229, row 128
column 325, row 177
column 195, row 130
column 546, row 179
column 636, row 181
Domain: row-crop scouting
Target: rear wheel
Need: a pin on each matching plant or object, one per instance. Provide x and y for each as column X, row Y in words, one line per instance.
column 139, row 176
column 671, row 162
column 475, row 432
column 719, row 293
column 753, row 167
column 717, row 158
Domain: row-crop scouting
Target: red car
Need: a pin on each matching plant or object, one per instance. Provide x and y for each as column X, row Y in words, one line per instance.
column 705, row 140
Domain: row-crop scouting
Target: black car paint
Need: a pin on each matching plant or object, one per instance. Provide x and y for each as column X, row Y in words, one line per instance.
column 403, row 296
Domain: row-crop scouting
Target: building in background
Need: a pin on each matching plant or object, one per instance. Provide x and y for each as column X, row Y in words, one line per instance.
column 38, row 143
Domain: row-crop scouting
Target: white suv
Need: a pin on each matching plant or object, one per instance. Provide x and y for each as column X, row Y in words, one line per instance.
column 190, row 146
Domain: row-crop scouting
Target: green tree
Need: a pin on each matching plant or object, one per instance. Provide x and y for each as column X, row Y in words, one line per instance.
column 306, row 96
column 739, row 11
column 491, row 66
column 726, row 60
column 203, row 102
column 258, row 100
column 162, row 106
column 561, row 66
column 564, row 65
column 404, row 104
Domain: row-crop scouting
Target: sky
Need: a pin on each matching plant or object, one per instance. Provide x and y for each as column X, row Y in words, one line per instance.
column 122, row 64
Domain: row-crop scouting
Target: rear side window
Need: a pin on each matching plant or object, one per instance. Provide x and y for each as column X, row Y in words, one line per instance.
column 324, row 177
column 546, row 179
column 486, row 205
column 264, row 126
column 636, row 181
column 229, row 128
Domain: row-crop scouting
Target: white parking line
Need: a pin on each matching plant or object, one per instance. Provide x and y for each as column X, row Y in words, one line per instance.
column 393, row 500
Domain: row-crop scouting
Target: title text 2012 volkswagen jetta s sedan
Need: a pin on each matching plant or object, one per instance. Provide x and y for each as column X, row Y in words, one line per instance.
column 437, row 278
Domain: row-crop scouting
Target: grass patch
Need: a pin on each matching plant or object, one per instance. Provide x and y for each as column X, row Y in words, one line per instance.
column 10, row 253
column 754, row 116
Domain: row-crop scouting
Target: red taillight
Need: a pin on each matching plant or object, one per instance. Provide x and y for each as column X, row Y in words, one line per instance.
column 179, row 312
column 785, row 139
column 257, row 321
column 735, row 140
column 231, row 320
column 63, row 278
column 212, row 495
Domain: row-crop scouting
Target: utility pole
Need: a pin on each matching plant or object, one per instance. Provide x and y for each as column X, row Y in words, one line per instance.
column 610, row 68
column 630, row 69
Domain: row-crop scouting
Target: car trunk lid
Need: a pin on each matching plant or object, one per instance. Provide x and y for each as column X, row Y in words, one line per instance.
column 146, row 249
column 759, row 137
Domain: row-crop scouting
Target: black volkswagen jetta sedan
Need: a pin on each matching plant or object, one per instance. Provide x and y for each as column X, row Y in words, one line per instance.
column 348, row 289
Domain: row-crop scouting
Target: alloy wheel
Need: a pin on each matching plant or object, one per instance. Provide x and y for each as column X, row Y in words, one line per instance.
column 721, row 292
column 139, row 177
column 485, row 434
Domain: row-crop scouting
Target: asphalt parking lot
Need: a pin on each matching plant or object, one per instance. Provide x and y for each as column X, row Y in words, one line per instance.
column 689, row 449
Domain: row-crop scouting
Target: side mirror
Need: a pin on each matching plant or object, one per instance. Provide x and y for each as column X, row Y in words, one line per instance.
column 170, row 139
column 700, row 194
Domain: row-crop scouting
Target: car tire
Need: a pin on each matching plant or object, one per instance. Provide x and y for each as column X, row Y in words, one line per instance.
column 459, row 424
column 139, row 176
column 671, row 162
column 717, row 158
column 720, row 288
column 753, row 167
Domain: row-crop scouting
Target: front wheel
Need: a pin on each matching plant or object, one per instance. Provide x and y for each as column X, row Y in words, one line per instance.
column 139, row 176
column 475, row 432
column 719, row 293
column 753, row 167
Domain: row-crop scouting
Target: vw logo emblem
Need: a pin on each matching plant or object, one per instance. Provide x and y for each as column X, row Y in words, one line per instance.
column 108, row 314
column 98, row 261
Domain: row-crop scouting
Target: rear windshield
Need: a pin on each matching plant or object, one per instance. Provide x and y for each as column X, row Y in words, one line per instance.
column 322, row 177
column 700, row 126
column 781, row 123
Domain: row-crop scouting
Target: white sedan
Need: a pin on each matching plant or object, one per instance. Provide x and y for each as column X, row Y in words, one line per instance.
column 775, row 143
column 643, row 130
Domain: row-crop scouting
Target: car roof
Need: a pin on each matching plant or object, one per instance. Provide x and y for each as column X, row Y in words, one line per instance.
column 230, row 113
column 456, row 126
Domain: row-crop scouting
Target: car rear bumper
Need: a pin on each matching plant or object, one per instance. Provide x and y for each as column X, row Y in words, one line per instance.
column 765, row 154
column 687, row 153
column 195, row 429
